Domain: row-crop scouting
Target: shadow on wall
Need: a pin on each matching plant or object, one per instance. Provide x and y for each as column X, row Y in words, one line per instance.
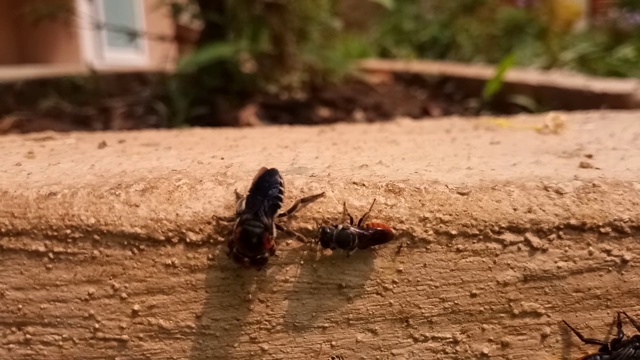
column 324, row 284
column 225, row 308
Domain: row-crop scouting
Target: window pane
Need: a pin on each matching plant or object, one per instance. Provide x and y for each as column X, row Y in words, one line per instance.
column 122, row 14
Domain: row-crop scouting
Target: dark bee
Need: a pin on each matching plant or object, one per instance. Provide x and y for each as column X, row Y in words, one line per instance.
column 618, row 348
column 254, row 231
column 337, row 357
column 350, row 237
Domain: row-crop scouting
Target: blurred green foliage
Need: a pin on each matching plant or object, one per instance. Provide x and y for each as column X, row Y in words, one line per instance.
column 489, row 30
column 276, row 46
column 281, row 48
column 464, row 30
column 633, row 5
column 287, row 47
column 495, row 84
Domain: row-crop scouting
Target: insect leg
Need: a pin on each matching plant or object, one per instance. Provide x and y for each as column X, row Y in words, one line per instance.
column 240, row 202
column 292, row 233
column 619, row 333
column 300, row 203
column 345, row 214
column 584, row 339
column 632, row 320
column 364, row 217
column 272, row 250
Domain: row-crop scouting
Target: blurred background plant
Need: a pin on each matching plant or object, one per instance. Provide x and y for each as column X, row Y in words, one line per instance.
column 543, row 34
column 465, row 30
column 252, row 47
column 288, row 48
column 245, row 51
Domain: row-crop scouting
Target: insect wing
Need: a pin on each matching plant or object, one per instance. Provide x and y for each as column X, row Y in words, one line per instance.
column 265, row 195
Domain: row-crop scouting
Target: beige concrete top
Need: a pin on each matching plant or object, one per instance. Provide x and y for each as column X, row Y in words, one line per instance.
column 194, row 171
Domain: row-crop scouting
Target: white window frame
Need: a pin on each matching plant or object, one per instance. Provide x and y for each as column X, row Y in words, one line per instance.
column 94, row 40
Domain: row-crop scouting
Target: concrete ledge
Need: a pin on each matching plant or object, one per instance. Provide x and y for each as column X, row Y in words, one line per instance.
column 560, row 89
column 18, row 73
column 109, row 251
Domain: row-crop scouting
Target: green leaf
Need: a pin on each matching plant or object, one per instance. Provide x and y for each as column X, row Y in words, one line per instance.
column 207, row 55
column 388, row 4
column 494, row 85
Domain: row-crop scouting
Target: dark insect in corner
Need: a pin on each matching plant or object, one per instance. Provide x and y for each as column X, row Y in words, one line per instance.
column 254, row 231
column 337, row 357
column 618, row 348
column 350, row 238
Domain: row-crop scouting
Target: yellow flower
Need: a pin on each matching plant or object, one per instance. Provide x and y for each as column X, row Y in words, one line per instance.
column 564, row 13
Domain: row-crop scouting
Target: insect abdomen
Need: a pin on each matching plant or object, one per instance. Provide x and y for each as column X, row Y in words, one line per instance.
column 376, row 225
column 266, row 194
column 376, row 234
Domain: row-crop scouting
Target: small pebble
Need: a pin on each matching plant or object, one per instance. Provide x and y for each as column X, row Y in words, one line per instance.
column 585, row 165
column 456, row 338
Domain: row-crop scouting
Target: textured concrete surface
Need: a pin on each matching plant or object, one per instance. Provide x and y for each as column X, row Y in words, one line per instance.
column 107, row 248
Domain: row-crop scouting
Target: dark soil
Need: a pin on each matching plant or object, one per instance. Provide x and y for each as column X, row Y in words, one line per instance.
column 360, row 100
column 138, row 101
column 81, row 103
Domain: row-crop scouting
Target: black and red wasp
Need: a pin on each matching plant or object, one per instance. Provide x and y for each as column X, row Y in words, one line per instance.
column 254, row 231
column 618, row 348
column 350, row 238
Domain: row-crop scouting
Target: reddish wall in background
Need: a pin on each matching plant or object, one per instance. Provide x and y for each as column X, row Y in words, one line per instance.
column 600, row 8
column 8, row 33
column 23, row 42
